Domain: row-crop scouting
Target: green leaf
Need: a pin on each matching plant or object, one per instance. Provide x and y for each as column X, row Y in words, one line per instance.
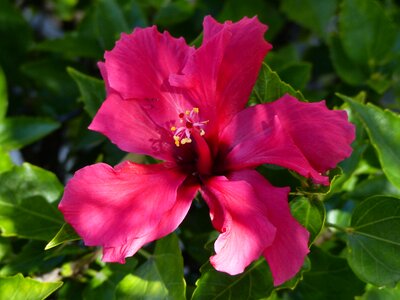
column 349, row 71
column 3, row 95
column 19, row 288
column 266, row 11
column 315, row 15
column 50, row 75
column 310, row 213
column 109, row 22
column 367, row 33
column 5, row 161
column 374, row 185
column 31, row 259
column 64, row 235
column 330, row 278
column 5, row 248
column 27, row 208
column 16, row 37
column 161, row 277
column 254, row 283
column 104, row 284
column 17, row 132
column 375, row 293
column 72, row 45
column 173, row 12
column 270, row 87
column 383, row 128
column 91, row 89
column 296, row 74
column 374, row 241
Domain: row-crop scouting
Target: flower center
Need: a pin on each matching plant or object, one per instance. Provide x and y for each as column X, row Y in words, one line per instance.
column 189, row 121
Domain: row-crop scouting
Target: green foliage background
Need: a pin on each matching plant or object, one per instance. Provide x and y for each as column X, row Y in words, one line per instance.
column 344, row 51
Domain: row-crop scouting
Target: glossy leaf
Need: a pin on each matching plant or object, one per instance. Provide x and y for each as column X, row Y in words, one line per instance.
column 64, row 235
column 270, row 87
column 383, row 128
column 329, row 279
column 254, row 283
column 91, row 89
column 375, row 293
column 313, row 14
column 19, row 287
column 161, row 277
column 367, row 33
column 310, row 213
column 27, row 208
column 14, row 133
column 374, row 241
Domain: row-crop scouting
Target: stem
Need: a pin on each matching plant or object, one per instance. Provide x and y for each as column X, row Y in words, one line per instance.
column 144, row 253
column 338, row 227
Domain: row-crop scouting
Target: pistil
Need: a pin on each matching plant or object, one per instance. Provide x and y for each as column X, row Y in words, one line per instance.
column 190, row 122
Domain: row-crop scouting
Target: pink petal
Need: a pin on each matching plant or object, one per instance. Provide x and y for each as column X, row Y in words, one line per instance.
column 125, row 207
column 137, row 69
column 305, row 137
column 133, row 126
column 241, row 217
column 140, row 63
column 287, row 253
column 216, row 76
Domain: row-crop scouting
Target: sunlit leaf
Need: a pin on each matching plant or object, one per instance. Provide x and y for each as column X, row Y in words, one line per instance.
column 254, row 283
column 19, row 288
column 5, row 161
column 65, row 234
column 27, row 208
column 161, row 277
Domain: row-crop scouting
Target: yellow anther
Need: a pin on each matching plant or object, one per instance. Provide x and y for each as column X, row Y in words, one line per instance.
column 177, row 143
column 196, row 110
column 186, row 141
column 187, row 112
column 173, row 128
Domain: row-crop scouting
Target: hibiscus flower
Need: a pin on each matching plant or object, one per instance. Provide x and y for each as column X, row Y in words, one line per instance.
column 187, row 107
